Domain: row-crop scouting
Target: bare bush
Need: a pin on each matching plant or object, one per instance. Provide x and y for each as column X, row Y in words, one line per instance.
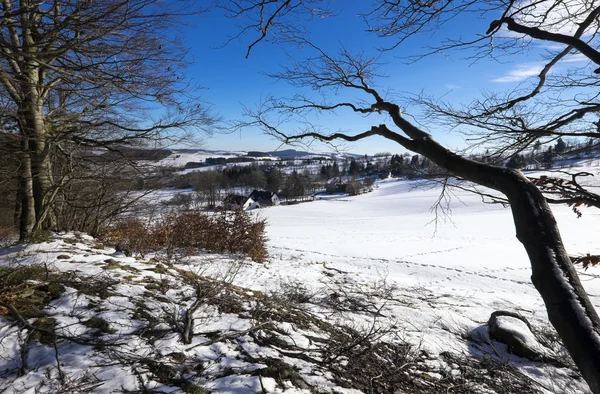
column 226, row 232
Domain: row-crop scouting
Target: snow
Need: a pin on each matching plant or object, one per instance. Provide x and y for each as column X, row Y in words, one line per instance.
column 180, row 159
column 436, row 282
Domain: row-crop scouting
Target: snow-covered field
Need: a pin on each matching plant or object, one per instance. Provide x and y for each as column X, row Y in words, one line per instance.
column 432, row 283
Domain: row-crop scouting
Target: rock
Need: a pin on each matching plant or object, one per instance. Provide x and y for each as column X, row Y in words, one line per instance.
column 63, row 257
column 515, row 331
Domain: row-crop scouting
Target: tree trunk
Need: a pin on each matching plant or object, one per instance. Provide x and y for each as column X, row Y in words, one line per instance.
column 42, row 185
column 569, row 309
column 39, row 175
column 25, row 193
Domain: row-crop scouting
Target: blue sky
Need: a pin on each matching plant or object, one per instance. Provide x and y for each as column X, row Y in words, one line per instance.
column 231, row 81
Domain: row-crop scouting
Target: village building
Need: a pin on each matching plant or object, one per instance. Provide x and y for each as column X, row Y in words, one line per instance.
column 264, row 198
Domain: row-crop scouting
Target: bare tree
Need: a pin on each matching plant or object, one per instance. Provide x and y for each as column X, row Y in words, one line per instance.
column 572, row 24
column 88, row 75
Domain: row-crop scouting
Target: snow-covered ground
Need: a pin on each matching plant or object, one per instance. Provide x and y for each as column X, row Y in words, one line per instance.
column 179, row 159
column 432, row 283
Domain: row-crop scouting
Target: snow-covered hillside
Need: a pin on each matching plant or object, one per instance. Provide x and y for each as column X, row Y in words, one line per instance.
column 378, row 263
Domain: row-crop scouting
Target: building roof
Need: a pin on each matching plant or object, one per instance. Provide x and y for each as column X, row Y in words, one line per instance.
column 261, row 195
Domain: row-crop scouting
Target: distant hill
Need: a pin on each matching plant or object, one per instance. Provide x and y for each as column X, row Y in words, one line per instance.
column 179, row 158
column 289, row 153
column 293, row 153
column 139, row 154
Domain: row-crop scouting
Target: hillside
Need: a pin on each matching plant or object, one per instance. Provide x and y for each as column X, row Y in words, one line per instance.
column 359, row 294
column 178, row 158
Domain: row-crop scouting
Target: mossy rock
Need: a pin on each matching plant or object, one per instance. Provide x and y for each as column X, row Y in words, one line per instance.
column 99, row 324
column 44, row 332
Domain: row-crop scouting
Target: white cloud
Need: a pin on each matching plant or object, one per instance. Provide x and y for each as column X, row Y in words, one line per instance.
column 576, row 58
column 453, row 87
column 520, row 73
column 558, row 17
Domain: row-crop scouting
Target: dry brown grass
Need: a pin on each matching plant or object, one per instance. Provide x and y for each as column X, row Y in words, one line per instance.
column 224, row 232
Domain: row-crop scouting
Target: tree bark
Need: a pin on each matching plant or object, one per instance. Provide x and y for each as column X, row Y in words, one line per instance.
column 32, row 118
column 569, row 309
column 25, row 192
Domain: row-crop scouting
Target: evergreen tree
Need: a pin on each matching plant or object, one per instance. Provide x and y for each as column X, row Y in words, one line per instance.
column 560, row 146
column 335, row 170
column 548, row 158
column 354, row 168
column 274, row 180
column 516, row 161
column 414, row 161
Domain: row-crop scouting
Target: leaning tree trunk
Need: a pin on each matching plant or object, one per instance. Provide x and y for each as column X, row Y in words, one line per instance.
column 569, row 309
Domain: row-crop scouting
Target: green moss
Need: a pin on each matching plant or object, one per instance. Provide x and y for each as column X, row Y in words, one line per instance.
column 38, row 236
column 161, row 269
column 112, row 264
column 55, row 290
column 98, row 288
column 99, row 324
column 18, row 276
column 190, row 388
column 44, row 331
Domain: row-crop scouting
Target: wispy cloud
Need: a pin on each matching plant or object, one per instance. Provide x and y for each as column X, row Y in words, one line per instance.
column 520, row 73
column 576, row 58
column 452, row 86
column 557, row 17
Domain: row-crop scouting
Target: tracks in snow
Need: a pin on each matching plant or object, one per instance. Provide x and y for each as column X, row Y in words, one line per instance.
column 455, row 272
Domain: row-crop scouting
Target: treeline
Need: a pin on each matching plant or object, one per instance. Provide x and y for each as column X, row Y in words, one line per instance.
column 297, row 182
column 381, row 166
column 92, row 188
column 138, row 154
column 545, row 156
column 212, row 186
